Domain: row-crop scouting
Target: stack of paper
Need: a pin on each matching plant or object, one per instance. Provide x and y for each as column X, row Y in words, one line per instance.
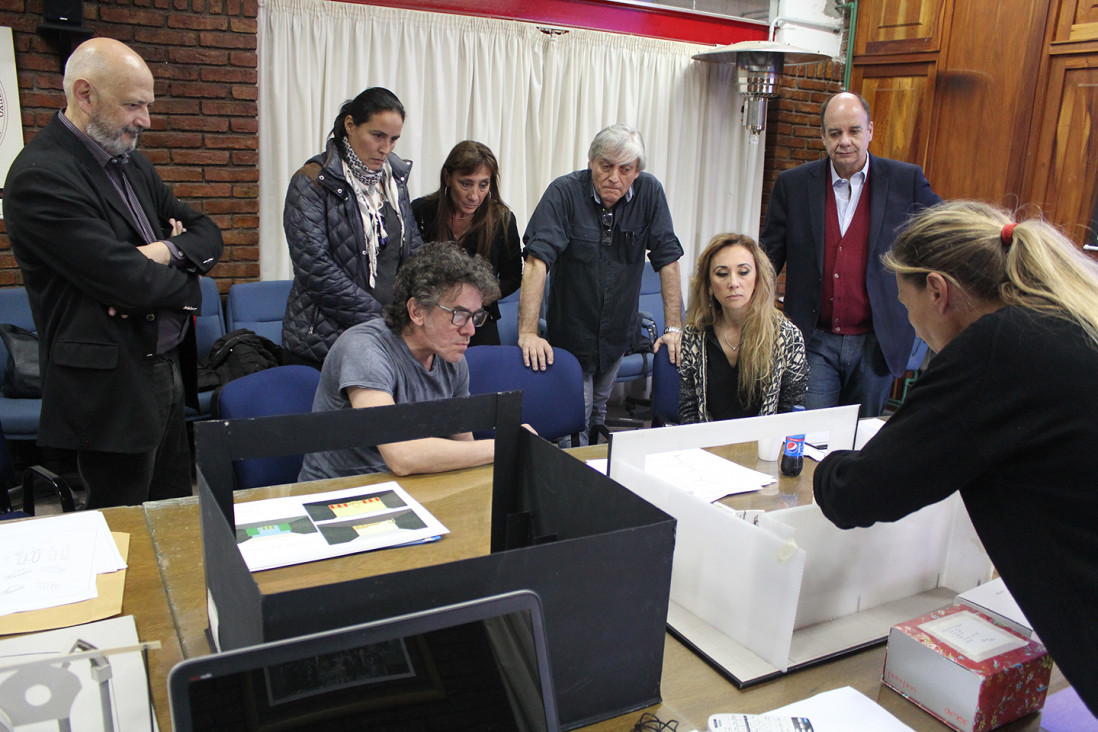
column 703, row 474
column 842, row 710
column 54, row 561
column 278, row 532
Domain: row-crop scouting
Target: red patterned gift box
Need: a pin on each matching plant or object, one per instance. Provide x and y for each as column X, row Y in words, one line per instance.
column 967, row 670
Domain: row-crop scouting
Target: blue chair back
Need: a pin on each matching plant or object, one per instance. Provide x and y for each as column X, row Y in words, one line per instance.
column 650, row 314
column 278, row 390
column 552, row 400
column 508, row 319
column 7, row 480
column 918, row 353
column 258, row 306
column 210, row 321
column 20, row 416
column 665, row 390
column 14, row 309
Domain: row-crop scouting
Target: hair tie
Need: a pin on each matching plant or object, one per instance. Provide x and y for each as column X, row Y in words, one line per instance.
column 1007, row 234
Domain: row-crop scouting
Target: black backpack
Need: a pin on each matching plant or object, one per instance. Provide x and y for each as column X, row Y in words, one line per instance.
column 237, row 354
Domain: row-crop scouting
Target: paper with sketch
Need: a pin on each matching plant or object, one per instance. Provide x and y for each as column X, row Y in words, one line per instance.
column 278, row 532
column 76, row 690
column 842, row 710
column 53, row 561
column 703, row 474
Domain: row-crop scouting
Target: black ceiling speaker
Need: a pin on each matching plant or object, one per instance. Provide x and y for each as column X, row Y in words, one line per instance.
column 64, row 12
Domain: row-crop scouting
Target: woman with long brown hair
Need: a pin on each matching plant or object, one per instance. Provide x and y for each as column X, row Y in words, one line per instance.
column 467, row 209
column 740, row 356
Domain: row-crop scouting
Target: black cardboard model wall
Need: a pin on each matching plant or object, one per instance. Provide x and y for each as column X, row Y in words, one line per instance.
column 597, row 555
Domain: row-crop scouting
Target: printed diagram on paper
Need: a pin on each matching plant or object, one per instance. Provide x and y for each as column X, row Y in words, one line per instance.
column 278, row 532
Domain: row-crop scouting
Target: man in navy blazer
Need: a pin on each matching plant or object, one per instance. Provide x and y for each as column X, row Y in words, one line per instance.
column 111, row 261
column 829, row 222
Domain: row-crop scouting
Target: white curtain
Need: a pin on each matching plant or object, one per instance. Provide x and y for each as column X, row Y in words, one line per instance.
column 536, row 99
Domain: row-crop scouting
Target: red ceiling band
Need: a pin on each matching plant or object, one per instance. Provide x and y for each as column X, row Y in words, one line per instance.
column 653, row 21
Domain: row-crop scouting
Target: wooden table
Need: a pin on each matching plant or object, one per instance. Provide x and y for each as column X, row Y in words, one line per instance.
column 145, row 599
column 691, row 689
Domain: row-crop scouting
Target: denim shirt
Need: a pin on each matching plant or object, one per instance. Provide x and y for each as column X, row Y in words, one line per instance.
column 594, row 287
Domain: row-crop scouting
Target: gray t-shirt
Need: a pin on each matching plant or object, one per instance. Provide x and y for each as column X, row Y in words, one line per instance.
column 371, row 356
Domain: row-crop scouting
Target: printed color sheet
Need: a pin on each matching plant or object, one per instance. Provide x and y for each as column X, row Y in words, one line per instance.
column 278, row 532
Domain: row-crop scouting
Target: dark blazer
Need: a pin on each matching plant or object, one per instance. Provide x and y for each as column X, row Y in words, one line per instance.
column 74, row 240
column 793, row 237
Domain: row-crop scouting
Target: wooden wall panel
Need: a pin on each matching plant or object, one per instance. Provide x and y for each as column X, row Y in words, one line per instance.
column 900, row 97
column 1065, row 180
column 1077, row 21
column 899, row 26
column 983, row 117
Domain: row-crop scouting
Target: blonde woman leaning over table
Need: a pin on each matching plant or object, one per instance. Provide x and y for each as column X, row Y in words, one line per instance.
column 1005, row 414
column 740, row 356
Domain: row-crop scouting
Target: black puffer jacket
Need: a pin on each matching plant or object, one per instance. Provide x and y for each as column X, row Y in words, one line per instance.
column 331, row 274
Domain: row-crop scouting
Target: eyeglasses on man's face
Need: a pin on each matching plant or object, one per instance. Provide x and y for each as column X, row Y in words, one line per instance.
column 461, row 316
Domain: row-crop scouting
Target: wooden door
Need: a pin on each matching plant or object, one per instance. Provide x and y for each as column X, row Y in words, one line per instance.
column 984, row 93
column 901, row 97
column 1065, row 173
column 1077, row 21
column 900, row 26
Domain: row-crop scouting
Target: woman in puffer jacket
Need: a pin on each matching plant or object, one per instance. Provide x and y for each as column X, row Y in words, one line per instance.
column 349, row 224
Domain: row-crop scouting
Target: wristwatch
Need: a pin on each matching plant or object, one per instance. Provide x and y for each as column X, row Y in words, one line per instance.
column 672, row 329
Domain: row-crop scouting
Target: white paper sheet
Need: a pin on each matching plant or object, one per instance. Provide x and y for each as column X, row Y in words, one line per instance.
column 53, row 561
column 128, row 682
column 842, row 710
column 995, row 597
column 703, row 474
column 278, row 532
column 816, row 443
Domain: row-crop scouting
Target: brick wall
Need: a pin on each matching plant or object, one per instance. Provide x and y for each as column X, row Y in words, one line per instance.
column 203, row 140
column 793, row 124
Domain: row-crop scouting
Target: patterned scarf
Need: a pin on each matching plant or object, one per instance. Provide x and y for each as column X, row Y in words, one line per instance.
column 369, row 188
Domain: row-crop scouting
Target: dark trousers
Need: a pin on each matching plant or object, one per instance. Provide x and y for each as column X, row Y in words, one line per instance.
column 129, row 479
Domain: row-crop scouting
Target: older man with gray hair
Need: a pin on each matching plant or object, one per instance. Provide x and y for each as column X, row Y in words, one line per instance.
column 111, row 260
column 592, row 228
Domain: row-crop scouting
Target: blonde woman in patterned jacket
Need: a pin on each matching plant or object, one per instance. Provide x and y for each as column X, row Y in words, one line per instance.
column 740, row 357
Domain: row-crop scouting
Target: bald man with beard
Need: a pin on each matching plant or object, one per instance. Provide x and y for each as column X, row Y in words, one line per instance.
column 111, row 261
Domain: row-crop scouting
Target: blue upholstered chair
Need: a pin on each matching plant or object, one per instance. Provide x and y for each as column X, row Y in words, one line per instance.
column 665, row 390
column 30, row 478
column 278, row 390
column 209, row 325
column 19, row 416
column 508, row 319
column 552, row 400
column 911, row 373
column 258, row 306
column 637, row 366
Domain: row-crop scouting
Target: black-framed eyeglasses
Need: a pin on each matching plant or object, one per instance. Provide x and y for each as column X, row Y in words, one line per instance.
column 607, row 227
column 460, row 317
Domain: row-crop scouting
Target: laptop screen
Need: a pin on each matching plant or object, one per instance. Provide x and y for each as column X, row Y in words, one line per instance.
column 477, row 665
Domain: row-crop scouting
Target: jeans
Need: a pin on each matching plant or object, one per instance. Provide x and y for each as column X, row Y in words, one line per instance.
column 847, row 369
column 596, row 390
column 129, row 479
